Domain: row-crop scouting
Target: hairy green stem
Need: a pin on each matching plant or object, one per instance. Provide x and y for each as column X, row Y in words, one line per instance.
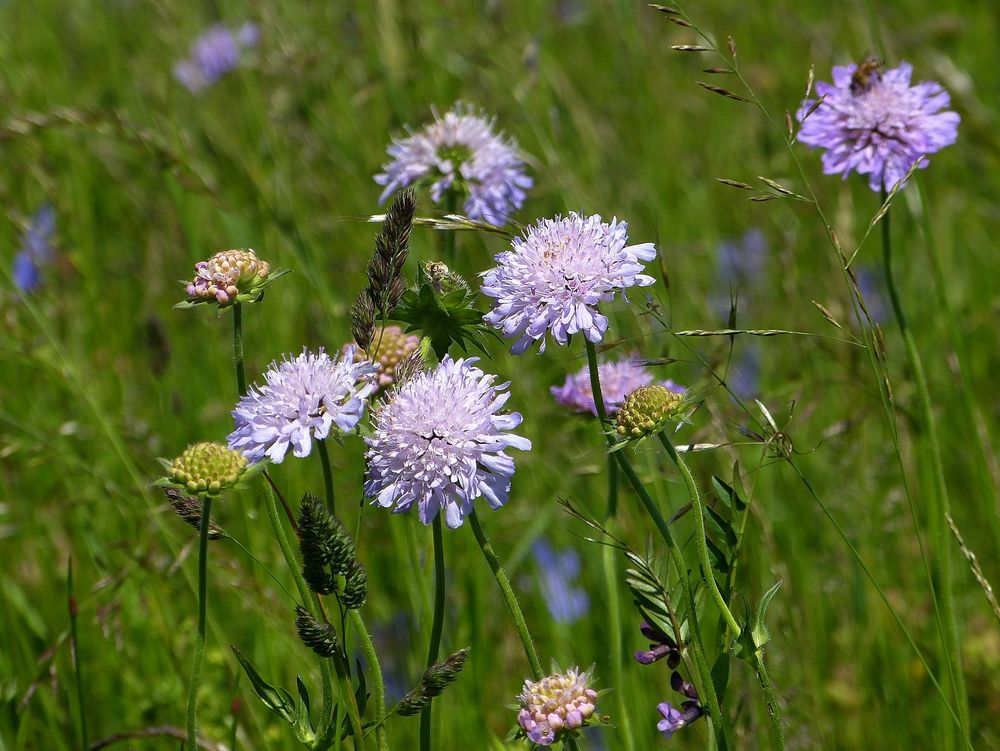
column 700, row 539
column 378, row 684
column 773, row 711
column 241, row 375
column 326, row 677
column 324, row 458
column 448, row 241
column 434, row 646
column 199, row 643
column 508, row 594
column 673, row 550
column 942, row 506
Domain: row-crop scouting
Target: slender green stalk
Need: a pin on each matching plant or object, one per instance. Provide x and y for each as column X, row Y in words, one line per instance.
column 378, row 684
column 773, row 711
column 326, row 677
column 241, row 375
column 615, row 611
column 199, row 643
column 74, row 611
column 508, row 594
column 700, row 539
column 673, row 550
column 942, row 507
column 434, row 646
column 448, row 241
column 324, row 458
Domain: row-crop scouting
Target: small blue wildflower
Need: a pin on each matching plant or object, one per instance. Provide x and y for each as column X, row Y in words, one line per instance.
column 557, row 571
column 213, row 54
column 741, row 260
column 36, row 249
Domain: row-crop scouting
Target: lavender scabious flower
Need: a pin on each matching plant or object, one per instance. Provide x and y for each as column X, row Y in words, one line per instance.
column 555, row 706
column 618, row 380
column 460, row 151
column 557, row 273
column 213, row 54
column 566, row 603
column 36, row 249
column 302, row 398
column 441, row 441
column 875, row 123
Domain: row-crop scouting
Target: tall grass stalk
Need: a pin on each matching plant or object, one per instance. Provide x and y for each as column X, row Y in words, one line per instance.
column 74, row 612
column 199, row 643
column 941, row 508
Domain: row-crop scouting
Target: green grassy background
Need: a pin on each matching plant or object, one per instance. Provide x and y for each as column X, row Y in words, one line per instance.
column 99, row 375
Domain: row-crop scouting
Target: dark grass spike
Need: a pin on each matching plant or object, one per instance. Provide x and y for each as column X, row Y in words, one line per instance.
column 188, row 508
column 320, row 637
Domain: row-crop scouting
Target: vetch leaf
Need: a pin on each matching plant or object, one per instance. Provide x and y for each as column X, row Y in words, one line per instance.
column 759, row 632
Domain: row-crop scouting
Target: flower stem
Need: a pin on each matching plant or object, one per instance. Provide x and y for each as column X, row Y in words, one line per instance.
column 434, row 647
column 773, row 711
column 676, row 556
column 508, row 593
column 199, row 643
column 326, row 676
column 942, row 506
column 700, row 539
column 375, row 669
column 448, row 250
column 241, row 375
column 324, row 458
column 614, row 609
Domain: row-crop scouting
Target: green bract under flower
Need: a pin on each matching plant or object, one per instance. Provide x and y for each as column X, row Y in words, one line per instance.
column 228, row 277
column 206, row 468
column 647, row 410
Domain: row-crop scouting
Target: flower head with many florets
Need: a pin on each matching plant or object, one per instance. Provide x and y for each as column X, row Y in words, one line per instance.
column 302, row 398
column 557, row 273
column 875, row 123
column 460, row 151
column 618, row 380
column 556, row 705
column 440, row 443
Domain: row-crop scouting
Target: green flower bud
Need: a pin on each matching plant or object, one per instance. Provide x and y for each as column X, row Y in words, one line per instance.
column 647, row 410
column 207, row 468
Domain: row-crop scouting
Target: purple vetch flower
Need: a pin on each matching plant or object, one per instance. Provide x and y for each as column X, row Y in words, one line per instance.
column 660, row 646
column 557, row 273
column 618, row 380
column 690, row 710
column 557, row 571
column 302, row 398
column 36, row 249
column 213, row 54
column 441, row 441
column 460, row 151
column 875, row 123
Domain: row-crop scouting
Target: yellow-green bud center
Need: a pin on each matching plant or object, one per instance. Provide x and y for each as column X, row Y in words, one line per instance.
column 207, row 467
column 646, row 411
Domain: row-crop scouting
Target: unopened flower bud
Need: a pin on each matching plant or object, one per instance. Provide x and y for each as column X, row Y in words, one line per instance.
column 226, row 275
column 207, row 468
column 647, row 410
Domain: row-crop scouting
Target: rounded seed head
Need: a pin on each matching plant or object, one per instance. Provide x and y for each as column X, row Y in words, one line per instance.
column 207, row 468
column 647, row 410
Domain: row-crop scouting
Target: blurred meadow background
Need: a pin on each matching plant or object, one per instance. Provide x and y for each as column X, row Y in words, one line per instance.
column 128, row 178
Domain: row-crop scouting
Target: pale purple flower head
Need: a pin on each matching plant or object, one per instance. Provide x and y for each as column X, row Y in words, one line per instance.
column 877, row 124
column 460, row 151
column 618, row 380
column 213, row 54
column 555, row 706
column 441, row 441
column 557, row 273
column 302, row 398
column 557, row 570
column 36, row 249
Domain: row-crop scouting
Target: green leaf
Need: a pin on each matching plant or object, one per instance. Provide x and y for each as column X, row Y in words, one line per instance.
column 277, row 700
column 720, row 675
column 302, row 721
column 723, row 527
column 720, row 562
column 728, row 494
column 760, row 633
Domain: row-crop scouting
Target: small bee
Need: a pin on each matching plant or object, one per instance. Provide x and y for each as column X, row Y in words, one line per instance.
column 869, row 71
